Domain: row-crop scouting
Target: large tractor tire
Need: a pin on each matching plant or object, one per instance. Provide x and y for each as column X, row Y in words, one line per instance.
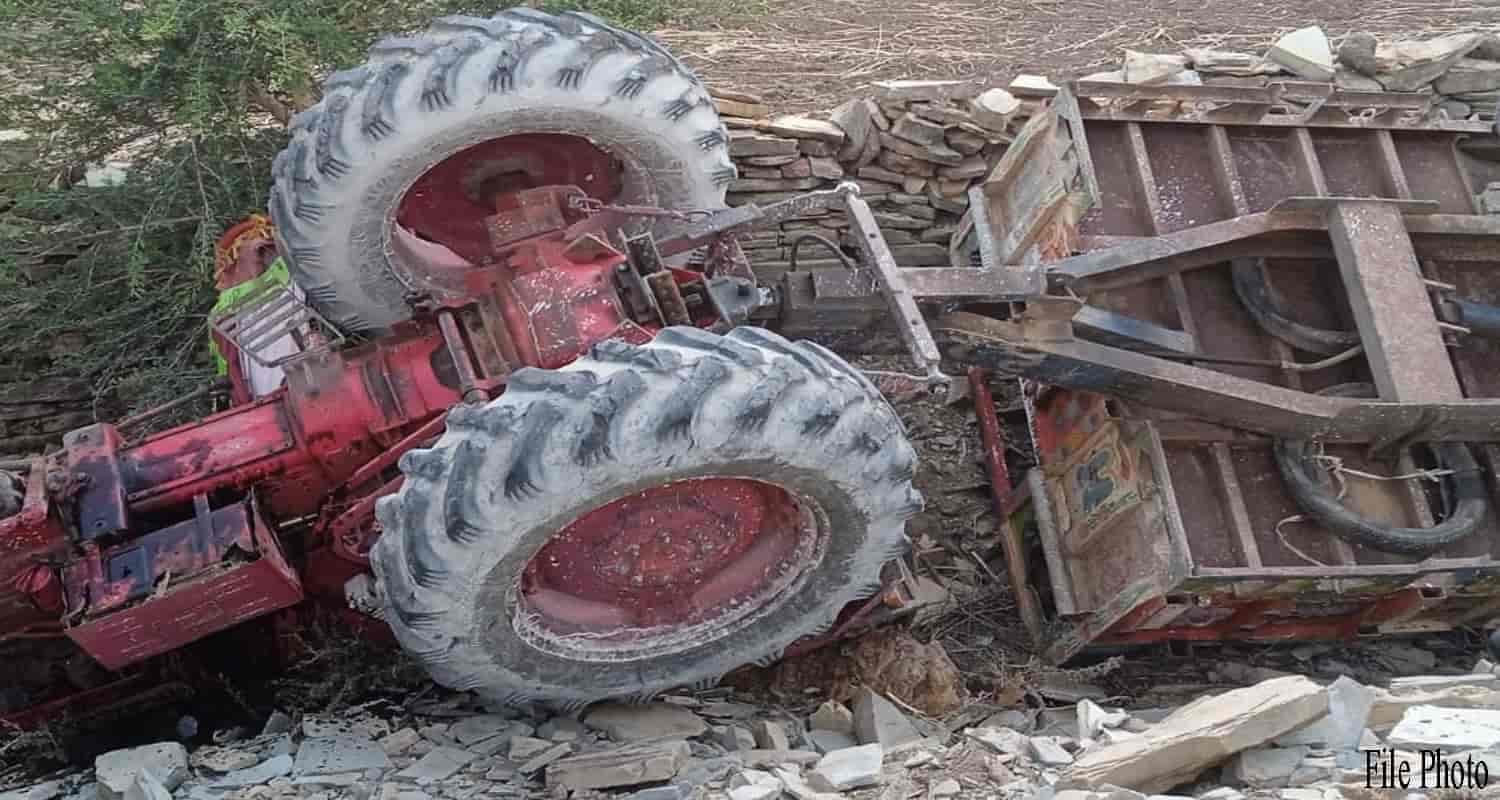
column 646, row 517
column 412, row 148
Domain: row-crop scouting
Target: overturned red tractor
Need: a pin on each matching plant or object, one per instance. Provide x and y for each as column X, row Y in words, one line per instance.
column 521, row 401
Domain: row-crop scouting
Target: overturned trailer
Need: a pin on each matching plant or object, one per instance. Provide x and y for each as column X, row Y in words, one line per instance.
column 1279, row 307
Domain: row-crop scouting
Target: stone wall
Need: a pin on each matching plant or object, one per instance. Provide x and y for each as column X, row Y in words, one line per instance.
column 914, row 148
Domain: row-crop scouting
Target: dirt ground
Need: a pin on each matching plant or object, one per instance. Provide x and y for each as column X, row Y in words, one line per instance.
column 804, row 55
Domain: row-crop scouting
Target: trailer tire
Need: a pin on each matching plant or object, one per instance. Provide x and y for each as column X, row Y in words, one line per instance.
column 465, row 81
column 614, row 425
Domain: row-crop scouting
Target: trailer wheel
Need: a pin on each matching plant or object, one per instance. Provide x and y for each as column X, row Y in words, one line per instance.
column 646, row 517
column 386, row 183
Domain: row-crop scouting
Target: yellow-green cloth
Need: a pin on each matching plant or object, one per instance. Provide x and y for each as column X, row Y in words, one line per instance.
column 275, row 275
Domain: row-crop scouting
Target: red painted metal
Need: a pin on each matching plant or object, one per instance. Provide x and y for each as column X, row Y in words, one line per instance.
column 452, row 202
column 680, row 554
column 157, row 593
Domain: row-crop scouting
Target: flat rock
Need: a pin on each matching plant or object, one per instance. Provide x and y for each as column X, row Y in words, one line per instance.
column 1267, row 766
column 1447, row 729
column 739, row 108
column 1351, row 81
column 764, row 185
column 439, row 764
column 479, row 727
column 734, row 94
column 968, row 170
column 631, row 723
column 1305, row 52
column 1033, row 85
column 776, row 758
column 1349, row 704
column 623, row 766
column 523, row 748
column 1421, row 63
column 793, row 785
column 922, row 90
column 824, row 167
column 223, row 759
column 1201, row 734
column 849, row 768
column 734, row 737
column 1390, row 706
column 906, row 165
column 546, row 757
column 47, row 790
column 1226, row 62
column 562, row 729
column 749, row 143
column 398, row 742
column 940, row 154
column 994, row 109
column 853, row 118
column 147, row 787
column 116, row 770
column 769, row 735
column 347, row 753
column 1469, row 75
column 263, row 772
column 828, row 741
column 799, row 127
column 914, row 129
column 883, row 175
column 758, row 791
column 1049, row 752
column 1152, row 68
column 1092, row 720
column 1001, row 740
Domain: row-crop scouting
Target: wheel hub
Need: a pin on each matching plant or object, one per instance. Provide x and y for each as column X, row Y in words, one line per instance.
column 674, row 565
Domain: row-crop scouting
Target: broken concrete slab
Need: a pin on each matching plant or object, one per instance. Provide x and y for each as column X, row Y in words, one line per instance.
column 116, row 770
column 1305, row 52
column 622, row 766
column 923, row 90
column 849, row 768
column 1430, row 682
column 1267, row 766
column 1201, row 734
column 346, row 753
column 1151, row 68
column 1448, row 729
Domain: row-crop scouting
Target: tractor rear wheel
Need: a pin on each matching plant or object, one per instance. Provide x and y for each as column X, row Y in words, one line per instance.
column 386, row 184
column 646, row 517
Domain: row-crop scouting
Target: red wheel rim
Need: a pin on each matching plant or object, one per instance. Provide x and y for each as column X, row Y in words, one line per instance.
column 448, row 204
column 670, row 567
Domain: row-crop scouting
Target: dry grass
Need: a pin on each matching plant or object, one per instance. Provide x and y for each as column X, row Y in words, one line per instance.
column 801, row 55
